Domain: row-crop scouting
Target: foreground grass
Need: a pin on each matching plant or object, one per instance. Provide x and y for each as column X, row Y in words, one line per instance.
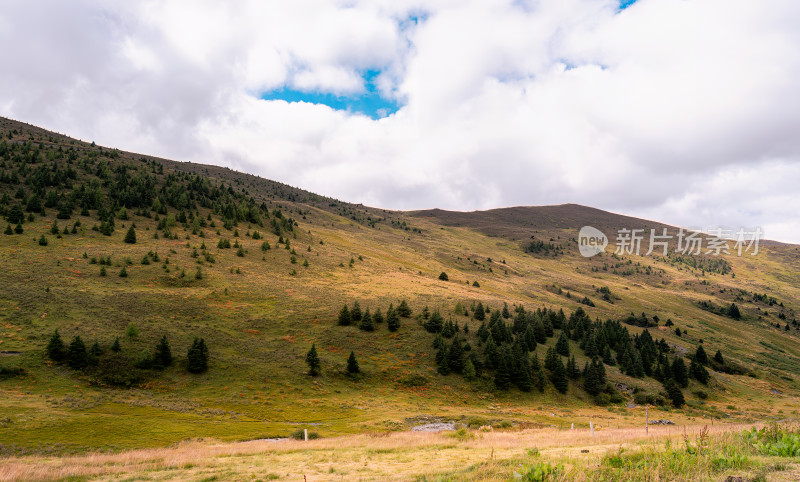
column 666, row 453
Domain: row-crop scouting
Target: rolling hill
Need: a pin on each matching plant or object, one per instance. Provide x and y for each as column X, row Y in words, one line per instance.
column 261, row 272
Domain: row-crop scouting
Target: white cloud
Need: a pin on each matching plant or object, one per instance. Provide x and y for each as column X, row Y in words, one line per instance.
column 685, row 112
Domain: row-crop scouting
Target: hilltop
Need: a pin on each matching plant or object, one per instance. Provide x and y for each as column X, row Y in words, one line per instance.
column 261, row 271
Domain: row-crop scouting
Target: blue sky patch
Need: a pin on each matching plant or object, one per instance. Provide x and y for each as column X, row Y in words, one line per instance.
column 370, row 102
column 623, row 4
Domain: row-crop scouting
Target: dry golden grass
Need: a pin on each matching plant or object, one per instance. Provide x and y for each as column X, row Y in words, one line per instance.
column 376, row 456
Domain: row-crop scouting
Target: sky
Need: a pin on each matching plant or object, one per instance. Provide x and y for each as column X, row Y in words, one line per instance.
column 682, row 111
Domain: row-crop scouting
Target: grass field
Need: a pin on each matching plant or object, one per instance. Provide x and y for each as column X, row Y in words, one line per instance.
column 691, row 452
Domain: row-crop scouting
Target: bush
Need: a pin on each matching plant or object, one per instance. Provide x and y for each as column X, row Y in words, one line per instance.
column 443, row 276
column 300, row 435
column 117, row 370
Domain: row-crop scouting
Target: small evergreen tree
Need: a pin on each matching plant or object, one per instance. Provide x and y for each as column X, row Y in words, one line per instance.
column 718, row 358
column 8, row 230
column 455, row 356
column 313, row 361
column 679, row 372
column 392, row 320
column 377, row 318
column 42, row 241
column 698, row 372
column 197, row 356
column 116, row 347
column 674, row 392
column 700, row 355
column 469, row 370
column 163, row 354
column 558, row 375
column 403, row 309
column 131, row 331
column 733, row 312
column 366, row 321
column 538, row 375
column 595, row 377
column 77, row 356
column 572, row 368
column 443, row 276
column 352, row 364
column 344, row 316
column 355, row 312
column 130, row 236
column 502, row 375
column 435, row 323
column 491, row 355
column 562, row 345
column 94, row 353
column 479, row 313
column 55, row 348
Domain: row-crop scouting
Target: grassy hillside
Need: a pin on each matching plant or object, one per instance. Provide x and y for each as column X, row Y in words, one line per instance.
column 260, row 310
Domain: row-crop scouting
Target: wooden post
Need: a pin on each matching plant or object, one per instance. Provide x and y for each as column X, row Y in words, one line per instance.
column 305, row 434
column 572, row 426
column 591, row 427
column 646, row 420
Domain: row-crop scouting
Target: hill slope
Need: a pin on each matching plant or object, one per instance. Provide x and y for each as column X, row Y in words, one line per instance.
column 294, row 260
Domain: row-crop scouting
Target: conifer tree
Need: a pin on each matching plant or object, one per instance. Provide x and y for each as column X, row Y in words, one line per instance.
column 539, row 331
column 558, row 375
column 506, row 314
column 679, row 372
column 77, row 356
column 491, row 354
column 479, row 313
column 636, row 368
column 435, row 323
column 344, row 316
column 130, row 236
column 116, row 347
column 700, row 355
column 403, row 309
column 718, row 358
column 197, row 356
column 313, row 361
column 355, row 312
column 455, row 356
column 562, row 345
column 55, row 348
column 595, row 377
column 530, row 338
column 538, row 375
column 550, row 359
column 366, row 321
column 443, row 360
column 352, row 364
column 674, row 392
column 608, row 359
column 469, row 370
column 698, row 371
column 377, row 318
column 163, row 354
column 94, row 353
column 572, row 368
column 502, row 375
column 392, row 320
column 8, row 230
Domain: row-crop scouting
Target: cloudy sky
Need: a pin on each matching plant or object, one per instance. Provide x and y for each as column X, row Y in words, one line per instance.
column 685, row 111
